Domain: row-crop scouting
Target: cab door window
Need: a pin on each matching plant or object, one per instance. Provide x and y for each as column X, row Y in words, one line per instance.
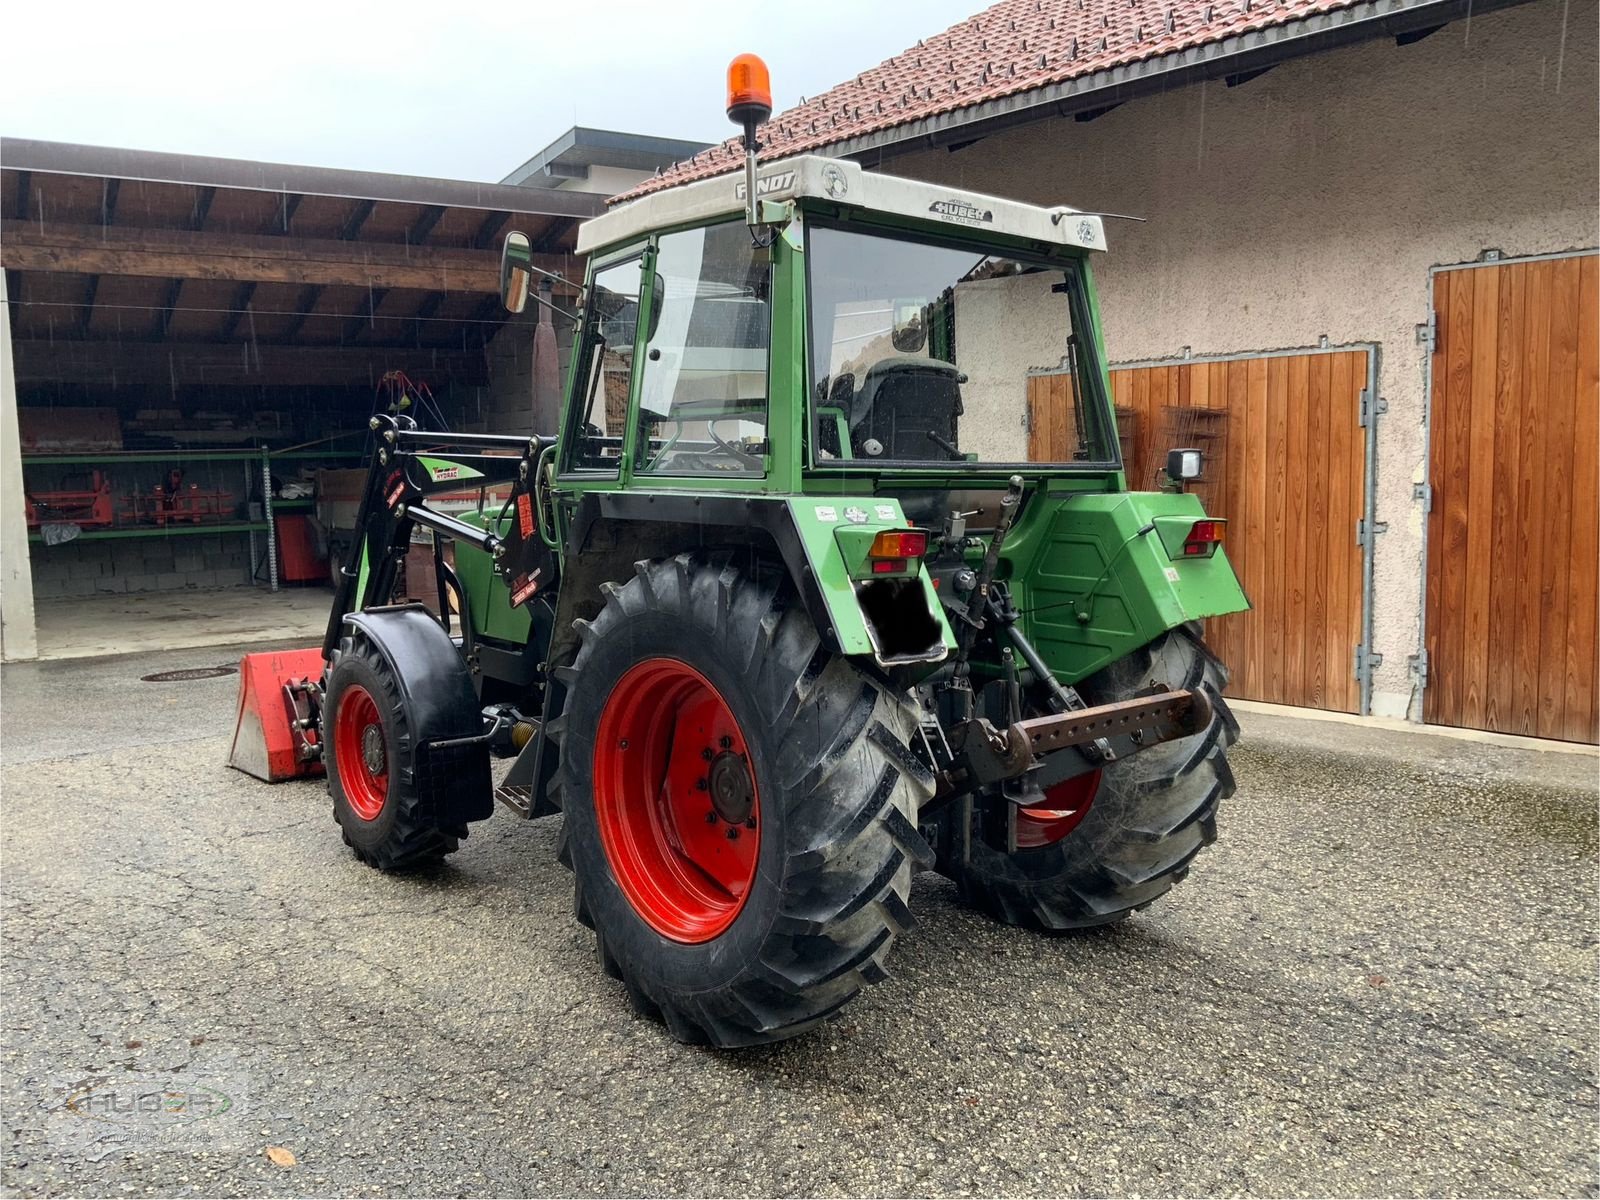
column 703, row 388
column 610, row 332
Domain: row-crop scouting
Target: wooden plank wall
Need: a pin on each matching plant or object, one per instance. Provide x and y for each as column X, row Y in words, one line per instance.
column 1290, row 482
column 1513, row 584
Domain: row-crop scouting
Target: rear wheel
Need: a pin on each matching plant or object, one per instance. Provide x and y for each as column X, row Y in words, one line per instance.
column 738, row 804
column 1113, row 841
column 371, row 762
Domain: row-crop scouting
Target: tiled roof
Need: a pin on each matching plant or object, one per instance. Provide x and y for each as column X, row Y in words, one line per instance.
column 1011, row 47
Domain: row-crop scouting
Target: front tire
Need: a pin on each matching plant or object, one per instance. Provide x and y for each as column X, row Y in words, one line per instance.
column 739, row 804
column 1123, row 836
column 371, row 762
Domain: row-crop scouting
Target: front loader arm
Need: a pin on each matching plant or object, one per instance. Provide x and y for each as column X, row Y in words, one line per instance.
column 404, row 472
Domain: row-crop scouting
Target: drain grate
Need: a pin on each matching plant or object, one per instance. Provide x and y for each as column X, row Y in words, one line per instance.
column 189, row 673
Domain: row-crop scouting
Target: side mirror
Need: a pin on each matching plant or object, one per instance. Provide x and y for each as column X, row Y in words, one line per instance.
column 516, row 271
column 1184, row 465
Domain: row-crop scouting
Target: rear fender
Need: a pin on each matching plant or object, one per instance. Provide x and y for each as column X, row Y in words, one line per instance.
column 1095, row 579
column 611, row 530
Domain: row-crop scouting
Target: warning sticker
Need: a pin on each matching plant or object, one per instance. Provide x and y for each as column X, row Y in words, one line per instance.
column 827, row 512
column 1172, row 574
column 525, row 518
column 885, row 512
column 524, row 588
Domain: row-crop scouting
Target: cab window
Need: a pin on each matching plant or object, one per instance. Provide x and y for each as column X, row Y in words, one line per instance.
column 703, row 388
column 600, row 411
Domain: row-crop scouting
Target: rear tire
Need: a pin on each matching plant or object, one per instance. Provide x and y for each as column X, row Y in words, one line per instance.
column 1151, row 815
column 835, row 789
column 371, row 762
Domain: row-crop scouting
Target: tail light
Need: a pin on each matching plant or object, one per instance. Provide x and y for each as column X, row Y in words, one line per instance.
column 1203, row 537
column 891, row 549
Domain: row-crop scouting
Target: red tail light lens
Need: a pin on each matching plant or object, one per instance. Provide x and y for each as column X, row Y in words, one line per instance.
column 898, row 543
column 1204, row 537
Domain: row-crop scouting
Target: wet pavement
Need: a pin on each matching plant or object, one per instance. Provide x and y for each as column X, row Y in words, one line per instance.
column 1380, row 981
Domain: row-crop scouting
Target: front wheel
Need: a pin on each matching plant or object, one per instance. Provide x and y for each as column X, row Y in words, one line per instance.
column 371, row 750
column 739, row 804
column 1115, row 840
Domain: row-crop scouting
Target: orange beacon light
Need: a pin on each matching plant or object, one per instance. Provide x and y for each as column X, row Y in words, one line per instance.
column 749, row 91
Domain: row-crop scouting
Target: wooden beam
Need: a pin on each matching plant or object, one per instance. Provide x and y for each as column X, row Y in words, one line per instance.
column 424, row 224
column 202, row 207
column 175, row 254
column 489, row 229
column 89, row 294
column 168, row 303
column 185, row 365
column 240, row 305
column 288, row 205
column 419, row 319
column 304, row 303
column 358, row 218
column 363, row 319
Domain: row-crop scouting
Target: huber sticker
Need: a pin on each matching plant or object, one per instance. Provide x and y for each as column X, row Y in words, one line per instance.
column 827, row 512
column 856, row 516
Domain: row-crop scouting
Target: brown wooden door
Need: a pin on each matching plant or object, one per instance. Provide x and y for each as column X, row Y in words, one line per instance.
column 1513, row 576
column 1287, row 468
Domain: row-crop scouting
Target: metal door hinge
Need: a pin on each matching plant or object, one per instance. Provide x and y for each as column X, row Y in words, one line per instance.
column 1362, row 528
column 1371, row 406
column 1428, row 332
column 1419, row 668
column 1366, row 661
column 1423, row 492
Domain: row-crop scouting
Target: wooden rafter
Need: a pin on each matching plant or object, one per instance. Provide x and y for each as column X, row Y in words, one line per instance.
column 424, row 224
column 363, row 318
column 239, row 306
column 202, row 207
column 358, row 218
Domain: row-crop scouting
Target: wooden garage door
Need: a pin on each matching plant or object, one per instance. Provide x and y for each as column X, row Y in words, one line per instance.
column 1513, row 545
column 1287, row 470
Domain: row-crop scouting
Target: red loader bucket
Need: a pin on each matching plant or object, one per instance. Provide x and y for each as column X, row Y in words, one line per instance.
column 269, row 739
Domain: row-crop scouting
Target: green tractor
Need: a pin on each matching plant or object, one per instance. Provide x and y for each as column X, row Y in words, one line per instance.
column 784, row 613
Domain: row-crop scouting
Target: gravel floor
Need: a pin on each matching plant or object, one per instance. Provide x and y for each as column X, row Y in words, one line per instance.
column 1381, row 980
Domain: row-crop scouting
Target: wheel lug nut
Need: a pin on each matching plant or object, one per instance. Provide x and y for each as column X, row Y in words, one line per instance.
column 726, row 742
column 701, row 785
column 706, row 754
column 733, row 833
column 749, row 822
column 711, row 817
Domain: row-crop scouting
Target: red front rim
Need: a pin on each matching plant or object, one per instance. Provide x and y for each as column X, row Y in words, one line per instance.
column 1066, row 804
column 676, row 801
column 361, row 752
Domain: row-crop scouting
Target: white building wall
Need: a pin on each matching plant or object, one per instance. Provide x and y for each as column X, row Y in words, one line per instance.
column 1312, row 201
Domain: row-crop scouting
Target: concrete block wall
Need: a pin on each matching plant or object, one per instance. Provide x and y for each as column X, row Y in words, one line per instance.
column 79, row 568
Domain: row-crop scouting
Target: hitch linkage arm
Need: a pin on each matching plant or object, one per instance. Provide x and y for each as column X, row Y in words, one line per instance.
column 1059, row 746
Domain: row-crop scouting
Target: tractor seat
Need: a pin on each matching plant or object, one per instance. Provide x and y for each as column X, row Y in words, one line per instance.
column 900, row 402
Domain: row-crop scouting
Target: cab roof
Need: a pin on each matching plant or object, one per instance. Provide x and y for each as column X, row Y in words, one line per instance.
column 841, row 182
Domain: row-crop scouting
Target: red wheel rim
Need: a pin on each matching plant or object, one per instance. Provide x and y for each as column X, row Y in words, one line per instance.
column 1065, row 806
column 676, row 801
column 362, row 752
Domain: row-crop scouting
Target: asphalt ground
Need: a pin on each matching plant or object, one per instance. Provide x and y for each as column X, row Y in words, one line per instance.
column 1380, row 981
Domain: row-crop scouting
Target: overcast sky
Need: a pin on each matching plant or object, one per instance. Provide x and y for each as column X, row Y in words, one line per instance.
column 467, row 91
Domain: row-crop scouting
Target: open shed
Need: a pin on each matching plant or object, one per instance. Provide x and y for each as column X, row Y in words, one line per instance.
column 235, row 322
